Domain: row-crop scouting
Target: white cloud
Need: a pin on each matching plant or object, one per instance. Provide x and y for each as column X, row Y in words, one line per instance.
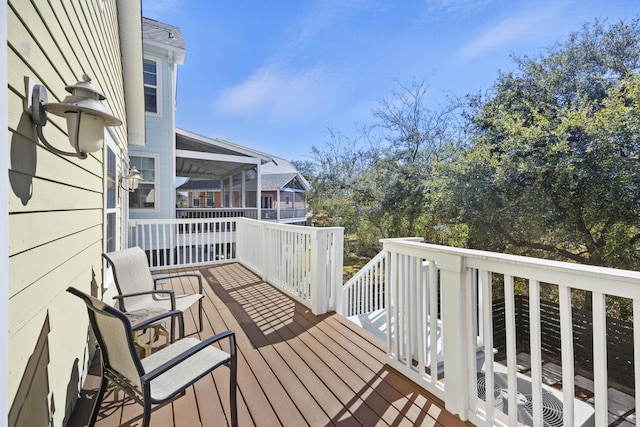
column 527, row 24
column 275, row 93
column 455, row 6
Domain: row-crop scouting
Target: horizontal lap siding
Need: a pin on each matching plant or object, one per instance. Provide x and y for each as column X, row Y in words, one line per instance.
column 55, row 202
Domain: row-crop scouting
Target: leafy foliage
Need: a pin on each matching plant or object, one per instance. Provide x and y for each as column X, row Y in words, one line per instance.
column 553, row 171
column 545, row 164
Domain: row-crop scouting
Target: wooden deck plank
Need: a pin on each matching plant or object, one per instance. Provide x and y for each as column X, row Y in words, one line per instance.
column 254, row 374
column 294, row 368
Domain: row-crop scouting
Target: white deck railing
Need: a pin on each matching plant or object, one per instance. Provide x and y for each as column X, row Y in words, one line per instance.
column 198, row 213
column 463, row 281
column 364, row 292
column 303, row 262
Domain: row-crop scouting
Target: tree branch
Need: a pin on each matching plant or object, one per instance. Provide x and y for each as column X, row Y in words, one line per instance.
column 547, row 248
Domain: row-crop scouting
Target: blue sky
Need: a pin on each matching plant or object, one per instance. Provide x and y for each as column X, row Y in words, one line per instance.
column 276, row 75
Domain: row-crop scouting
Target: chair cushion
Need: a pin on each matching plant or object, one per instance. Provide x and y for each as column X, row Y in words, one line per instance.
column 177, row 378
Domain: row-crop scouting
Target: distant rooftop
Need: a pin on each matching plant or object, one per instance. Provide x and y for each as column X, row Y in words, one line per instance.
column 160, row 33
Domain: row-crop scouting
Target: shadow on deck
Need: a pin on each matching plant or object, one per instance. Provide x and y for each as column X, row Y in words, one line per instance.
column 294, row 368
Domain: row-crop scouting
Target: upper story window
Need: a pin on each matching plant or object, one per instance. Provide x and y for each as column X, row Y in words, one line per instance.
column 152, row 98
column 145, row 195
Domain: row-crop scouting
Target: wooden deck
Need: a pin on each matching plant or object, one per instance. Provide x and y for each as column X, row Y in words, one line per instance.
column 294, row 368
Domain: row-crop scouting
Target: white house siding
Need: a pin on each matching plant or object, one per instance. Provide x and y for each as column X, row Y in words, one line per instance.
column 55, row 203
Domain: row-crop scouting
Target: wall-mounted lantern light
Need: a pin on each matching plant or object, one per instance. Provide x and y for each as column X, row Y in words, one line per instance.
column 132, row 178
column 85, row 114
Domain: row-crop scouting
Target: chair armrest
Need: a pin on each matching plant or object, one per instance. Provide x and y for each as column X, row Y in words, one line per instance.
column 169, row 292
column 173, row 276
column 193, row 350
column 151, row 320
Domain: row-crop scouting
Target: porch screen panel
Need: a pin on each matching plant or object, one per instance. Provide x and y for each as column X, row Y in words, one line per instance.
column 236, row 190
column 250, row 188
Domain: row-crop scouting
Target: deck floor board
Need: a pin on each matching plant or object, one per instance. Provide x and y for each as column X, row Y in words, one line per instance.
column 294, row 368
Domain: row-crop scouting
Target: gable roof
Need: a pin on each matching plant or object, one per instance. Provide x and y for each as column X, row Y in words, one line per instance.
column 273, row 181
column 164, row 36
column 279, row 172
column 200, row 184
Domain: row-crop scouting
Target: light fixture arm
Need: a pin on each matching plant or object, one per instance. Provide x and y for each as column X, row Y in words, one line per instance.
column 39, row 97
column 85, row 114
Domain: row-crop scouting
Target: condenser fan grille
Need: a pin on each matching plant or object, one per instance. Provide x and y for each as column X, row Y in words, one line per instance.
column 551, row 406
column 551, row 410
column 482, row 390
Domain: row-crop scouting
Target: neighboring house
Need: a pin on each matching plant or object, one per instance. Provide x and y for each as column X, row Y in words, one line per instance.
column 235, row 184
column 282, row 195
column 63, row 212
column 199, row 193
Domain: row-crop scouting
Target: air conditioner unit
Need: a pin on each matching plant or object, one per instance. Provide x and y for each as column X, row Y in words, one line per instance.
column 552, row 408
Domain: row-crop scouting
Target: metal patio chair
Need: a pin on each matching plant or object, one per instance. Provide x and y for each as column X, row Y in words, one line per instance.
column 138, row 288
column 161, row 376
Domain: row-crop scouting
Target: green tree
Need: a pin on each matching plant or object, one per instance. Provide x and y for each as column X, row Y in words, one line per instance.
column 377, row 185
column 553, row 171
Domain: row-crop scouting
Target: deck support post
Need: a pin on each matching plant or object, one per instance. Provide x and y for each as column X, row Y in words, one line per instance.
column 455, row 348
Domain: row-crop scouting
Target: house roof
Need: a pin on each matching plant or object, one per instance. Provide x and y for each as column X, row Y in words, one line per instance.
column 164, row 36
column 200, row 184
column 274, row 181
column 278, row 173
column 198, row 156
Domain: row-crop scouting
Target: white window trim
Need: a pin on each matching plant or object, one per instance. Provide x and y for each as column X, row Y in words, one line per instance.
column 111, row 144
column 156, row 183
column 158, row 86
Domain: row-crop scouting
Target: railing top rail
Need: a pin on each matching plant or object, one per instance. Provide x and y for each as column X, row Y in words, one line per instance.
column 289, row 227
column 521, row 266
column 135, row 222
column 213, row 209
column 375, row 260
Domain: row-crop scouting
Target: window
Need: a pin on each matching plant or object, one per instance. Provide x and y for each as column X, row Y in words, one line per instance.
column 151, row 88
column 145, row 195
column 111, row 202
column 267, row 201
column 210, row 200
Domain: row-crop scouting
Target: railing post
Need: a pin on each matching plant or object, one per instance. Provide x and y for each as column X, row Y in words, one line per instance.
column 318, row 273
column 336, row 267
column 266, row 260
column 338, row 291
column 455, row 336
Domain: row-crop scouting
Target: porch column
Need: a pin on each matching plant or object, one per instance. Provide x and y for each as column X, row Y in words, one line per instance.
column 258, row 192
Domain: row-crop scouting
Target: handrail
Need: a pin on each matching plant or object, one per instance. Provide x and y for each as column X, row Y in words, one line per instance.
column 364, row 292
column 303, row 262
column 465, row 279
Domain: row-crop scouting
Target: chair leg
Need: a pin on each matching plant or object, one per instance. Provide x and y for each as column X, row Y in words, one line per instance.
column 200, row 313
column 96, row 404
column 146, row 416
column 233, row 366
